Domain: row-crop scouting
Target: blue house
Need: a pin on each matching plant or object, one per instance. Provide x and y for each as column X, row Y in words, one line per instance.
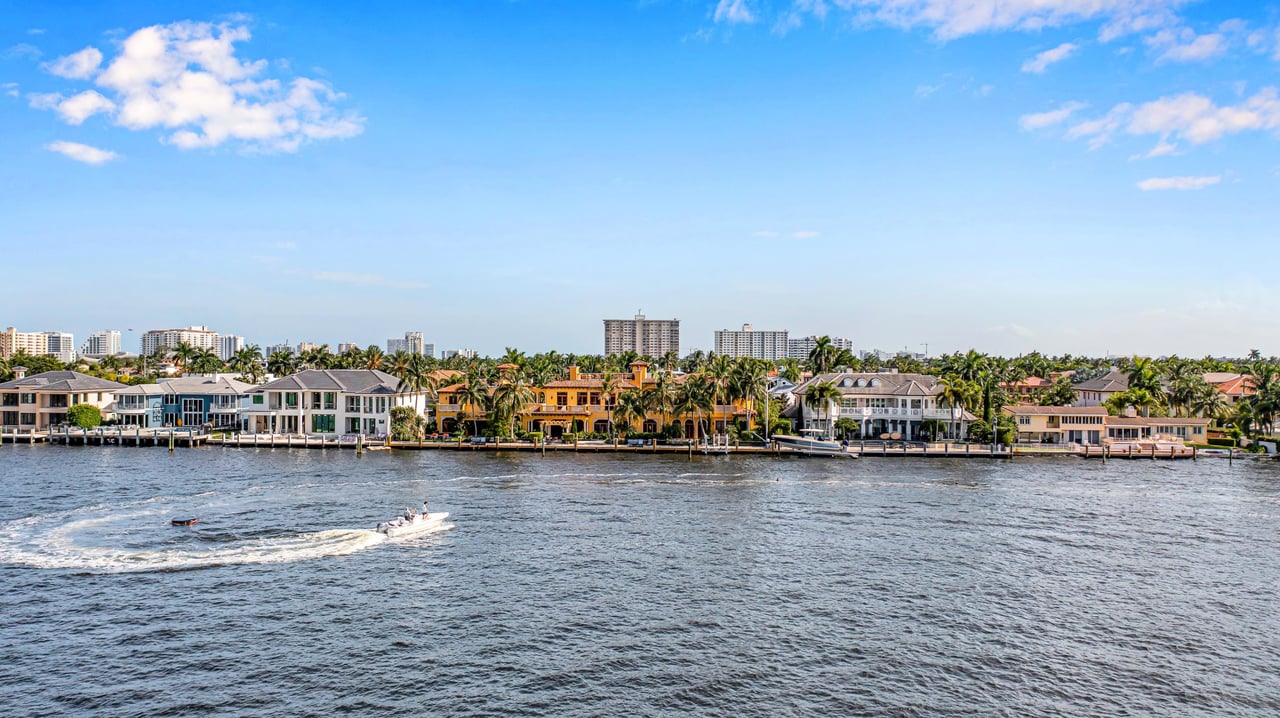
column 184, row 401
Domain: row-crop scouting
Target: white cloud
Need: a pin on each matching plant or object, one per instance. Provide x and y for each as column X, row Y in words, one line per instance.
column 1190, row 117
column 1042, row 61
column 75, row 110
column 804, row 234
column 10, row 89
column 733, row 12
column 951, row 19
column 1162, row 149
column 81, row 153
column 76, row 66
column 1041, row 120
column 22, row 51
column 185, row 80
column 1179, row 183
column 1185, row 45
column 923, row 91
column 35, row 31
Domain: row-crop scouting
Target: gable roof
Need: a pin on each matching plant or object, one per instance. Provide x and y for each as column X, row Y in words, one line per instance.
column 1114, row 380
column 63, row 381
column 885, row 383
column 192, row 385
column 351, row 381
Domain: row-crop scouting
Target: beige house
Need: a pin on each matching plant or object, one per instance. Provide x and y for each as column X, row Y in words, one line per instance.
column 1096, row 391
column 1136, row 428
column 1083, row 425
column 35, row 403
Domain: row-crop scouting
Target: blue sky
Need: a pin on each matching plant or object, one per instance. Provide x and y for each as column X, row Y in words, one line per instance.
column 1084, row 176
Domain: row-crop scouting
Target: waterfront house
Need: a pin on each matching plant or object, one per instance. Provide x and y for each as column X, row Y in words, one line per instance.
column 1136, row 428
column 1083, row 425
column 37, row 402
column 1235, row 386
column 1096, row 391
column 328, row 402
column 579, row 403
column 184, row 401
column 1025, row 389
column 883, row 403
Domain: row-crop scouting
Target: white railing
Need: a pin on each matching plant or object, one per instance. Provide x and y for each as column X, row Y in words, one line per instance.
column 876, row 412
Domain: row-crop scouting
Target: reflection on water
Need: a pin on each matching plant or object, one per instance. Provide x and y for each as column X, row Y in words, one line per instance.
column 606, row 585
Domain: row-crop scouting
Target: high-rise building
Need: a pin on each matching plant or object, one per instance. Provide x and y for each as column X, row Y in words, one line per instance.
column 749, row 342
column 411, row 343
column 464, row 353
column 198, row 337
column 61, row 346
column 429, row 350
column 101, row 344
column 13, row 341
column 344, row 347
column 228, row 345
column 273, row 348
column 646, row 337
column 307, row 346
column 800, row 348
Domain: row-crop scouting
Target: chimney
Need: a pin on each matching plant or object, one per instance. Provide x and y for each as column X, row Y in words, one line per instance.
column 19, row 372
column 574, row 372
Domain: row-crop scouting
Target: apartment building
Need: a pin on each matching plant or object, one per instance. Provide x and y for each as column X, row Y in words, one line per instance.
column 412, row 343
column 750, row 342
column 646, row 337
column 61, row 346
column 228, row 345
column 101, row 344
column 800, row 348
column 198, row 337
column 13, row 341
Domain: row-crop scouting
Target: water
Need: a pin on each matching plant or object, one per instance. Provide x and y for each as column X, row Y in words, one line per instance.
column 605, row 585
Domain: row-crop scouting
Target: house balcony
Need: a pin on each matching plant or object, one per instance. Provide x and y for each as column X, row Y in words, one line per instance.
column 559, row 409
column 871, row 412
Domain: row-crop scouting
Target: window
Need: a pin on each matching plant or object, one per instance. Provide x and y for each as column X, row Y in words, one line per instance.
column 353, row 424
column 353, row 405
column 57, row 400
column 915, row 403
column 324, row 423
column 562, row 398
column 315, row 400
column 9, row 400
column 848, row 403
column 171, row 399
column 291, row 399
column 330, row 400
column 583, row 397
column 27, row 419
column 257, row 399
column 382, row 405
column 368, row 405
column 1024, row 420
column 26, row 398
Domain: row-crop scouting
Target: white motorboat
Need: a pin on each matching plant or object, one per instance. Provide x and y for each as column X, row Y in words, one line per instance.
column 419, row 523
column 811, row 442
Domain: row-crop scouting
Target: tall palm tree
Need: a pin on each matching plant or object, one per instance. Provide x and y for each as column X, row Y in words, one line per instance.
column 282, row 363
column 955, row 394
column 661, row 398
column 373, row 357
column 696, row 395
column 204, row 361
column 609, row 394
column 474, row 394
column 819, row 396
column 1209, row 402
column 182, row 355
column 248, row 361
column 512, row 397
column 822, row 356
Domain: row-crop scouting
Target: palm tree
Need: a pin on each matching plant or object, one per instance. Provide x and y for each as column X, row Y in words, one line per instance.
column 248, row 361
column 630, row 406
column 182, row 356
column 511, row 398
column 1209, row 402
column 822, row 356
column 204, row 361
column 282, row 363
column 609, row 394
column 955, row 394
column 695, row 396
column 661, row 398
column 819, row 397
column 474, row 394
column 790, row 370
column 373, row 357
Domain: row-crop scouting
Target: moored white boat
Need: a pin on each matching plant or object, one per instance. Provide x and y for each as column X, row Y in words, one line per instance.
column 811, row 442
column 400, row 526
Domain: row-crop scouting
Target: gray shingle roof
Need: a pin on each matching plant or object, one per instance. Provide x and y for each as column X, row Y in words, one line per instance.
column 1114, row 380
column 877, row 383
column 351, row 381
column 71, row 381
column 191, row 385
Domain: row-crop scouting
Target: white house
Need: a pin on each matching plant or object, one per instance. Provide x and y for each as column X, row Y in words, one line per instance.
column 882, row 403
column 328, row 402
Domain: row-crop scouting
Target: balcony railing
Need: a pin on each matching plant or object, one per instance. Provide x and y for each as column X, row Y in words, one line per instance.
column 558, row 409
column 879, row 412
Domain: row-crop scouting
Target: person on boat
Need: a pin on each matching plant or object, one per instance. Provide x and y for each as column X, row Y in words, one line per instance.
column 424, row 509
column 408, row 514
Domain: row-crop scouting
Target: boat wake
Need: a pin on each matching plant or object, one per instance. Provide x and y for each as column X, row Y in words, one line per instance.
column 139, row 538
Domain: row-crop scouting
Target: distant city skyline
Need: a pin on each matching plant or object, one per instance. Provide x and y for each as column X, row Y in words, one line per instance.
column 1073, row 177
